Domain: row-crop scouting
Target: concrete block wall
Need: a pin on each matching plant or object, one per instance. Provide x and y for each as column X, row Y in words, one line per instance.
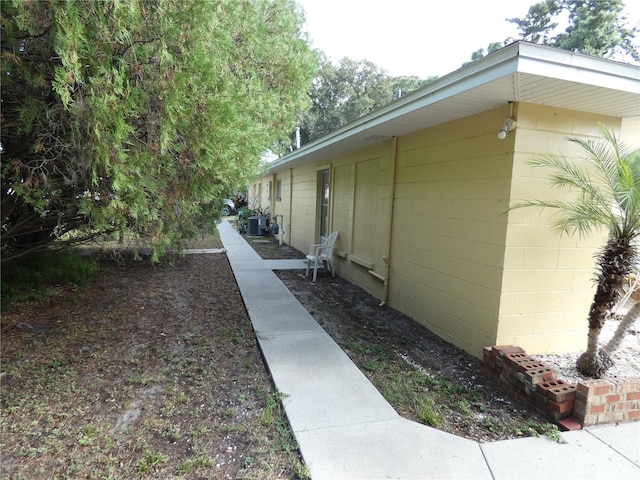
column 452, row 187
column 282, row 205
column 422, row 225
column 547, row 284
column 591, row 402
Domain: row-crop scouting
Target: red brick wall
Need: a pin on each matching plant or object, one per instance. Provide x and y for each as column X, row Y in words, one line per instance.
column 590, row 402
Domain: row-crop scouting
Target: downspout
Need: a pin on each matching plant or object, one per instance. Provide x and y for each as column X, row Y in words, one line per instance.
column 387, row 258
column 274, row 210
column 290, row 204
column 331, row 199
column 274, row 188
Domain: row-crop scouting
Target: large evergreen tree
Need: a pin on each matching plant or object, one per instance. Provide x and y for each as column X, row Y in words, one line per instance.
column 139, row 116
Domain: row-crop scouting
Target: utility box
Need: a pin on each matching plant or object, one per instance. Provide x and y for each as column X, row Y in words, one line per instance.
column 256, row 226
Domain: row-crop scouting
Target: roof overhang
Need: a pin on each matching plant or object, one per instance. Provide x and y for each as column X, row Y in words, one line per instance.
column 520, row 72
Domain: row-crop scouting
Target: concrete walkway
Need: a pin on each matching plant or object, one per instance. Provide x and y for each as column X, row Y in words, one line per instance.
column 345, row 428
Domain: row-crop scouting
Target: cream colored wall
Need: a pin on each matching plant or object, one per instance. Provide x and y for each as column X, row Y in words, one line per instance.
column 343, row 184
column 361, row 212
column 448, row 232
column 460, row 265
column 259, row 198
column 297, row 205
column 350, row 199
column 548, row 279
column 303, row 212
column 282, row 205
column 258, row 194
column 630, row 131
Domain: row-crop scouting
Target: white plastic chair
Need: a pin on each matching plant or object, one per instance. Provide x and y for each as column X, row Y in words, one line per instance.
column 322, row 253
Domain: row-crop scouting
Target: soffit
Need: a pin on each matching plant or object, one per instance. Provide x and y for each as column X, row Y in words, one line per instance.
column 521, row 73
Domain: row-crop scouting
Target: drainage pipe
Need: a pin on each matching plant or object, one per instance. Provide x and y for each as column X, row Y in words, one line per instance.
column 280, row 227
column 387, row 258
column 290, row 205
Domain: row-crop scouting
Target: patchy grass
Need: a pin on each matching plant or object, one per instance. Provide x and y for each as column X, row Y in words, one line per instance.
column 423, row 377
column 42, row 275
column 432, row 398
column 149, row 372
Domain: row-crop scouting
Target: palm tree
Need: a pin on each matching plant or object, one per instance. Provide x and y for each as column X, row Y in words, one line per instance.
column 608, row 197
column 631, row 296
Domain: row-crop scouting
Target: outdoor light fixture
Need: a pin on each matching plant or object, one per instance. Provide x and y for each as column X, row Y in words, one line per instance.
column 509, row 125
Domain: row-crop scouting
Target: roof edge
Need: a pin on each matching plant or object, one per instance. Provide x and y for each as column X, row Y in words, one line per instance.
column 510, row 60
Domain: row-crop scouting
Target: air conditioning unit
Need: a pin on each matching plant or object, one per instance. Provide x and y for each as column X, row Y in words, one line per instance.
column 256, row 226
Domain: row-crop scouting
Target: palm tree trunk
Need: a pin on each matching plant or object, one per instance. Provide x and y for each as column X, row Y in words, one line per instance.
column 590, row 363
column 615, row 263
column 625, row 324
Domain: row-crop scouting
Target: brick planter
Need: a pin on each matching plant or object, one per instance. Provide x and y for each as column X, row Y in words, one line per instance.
column 591, row 402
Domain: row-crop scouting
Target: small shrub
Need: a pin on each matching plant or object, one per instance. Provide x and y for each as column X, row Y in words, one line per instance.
column 24, row 281
column 428, row 412
column 151, row 461
column 198, row 461
column 549, row 430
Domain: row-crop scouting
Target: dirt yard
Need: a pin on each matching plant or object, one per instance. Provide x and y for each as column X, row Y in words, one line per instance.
column 154, row 372
column 150, row 372
column 425, row 378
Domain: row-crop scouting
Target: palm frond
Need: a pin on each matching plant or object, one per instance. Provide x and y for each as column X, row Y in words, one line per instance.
column 621, row 149
column 571, row 217
column 608, row 188
column 601, row 157
column 569, row 175
column 566, row 174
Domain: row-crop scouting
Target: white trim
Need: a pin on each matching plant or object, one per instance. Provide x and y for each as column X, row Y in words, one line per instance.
column 505, row 65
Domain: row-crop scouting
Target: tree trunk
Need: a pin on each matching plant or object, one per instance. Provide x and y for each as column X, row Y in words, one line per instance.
column 625, row 324
column 591, row 363
column 615, row 263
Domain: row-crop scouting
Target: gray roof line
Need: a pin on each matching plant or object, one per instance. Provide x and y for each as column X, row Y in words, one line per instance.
column 518, row 57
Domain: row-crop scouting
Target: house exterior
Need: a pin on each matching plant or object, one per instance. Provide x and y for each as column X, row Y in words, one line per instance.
column 419, row 192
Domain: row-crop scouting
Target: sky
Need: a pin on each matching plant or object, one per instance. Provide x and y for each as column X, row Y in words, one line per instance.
column 415, row 37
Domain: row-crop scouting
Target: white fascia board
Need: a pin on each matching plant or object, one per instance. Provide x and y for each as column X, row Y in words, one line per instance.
column 461, row 85
column 499, row 64
column 578, row 68
column 519, row 57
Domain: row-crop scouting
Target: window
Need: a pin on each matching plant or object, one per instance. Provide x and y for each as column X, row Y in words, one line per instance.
column 323, row 204
column 364, row 218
